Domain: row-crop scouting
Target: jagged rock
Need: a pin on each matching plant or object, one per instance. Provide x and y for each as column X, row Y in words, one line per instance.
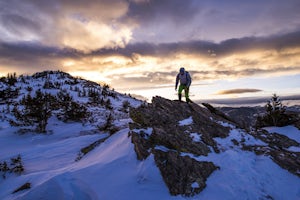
column 245, row 116
column 297, row 124
column 183, row 175
column 156, row 130
column 287, row 160
column 274, row 140
column 218, row 112
column 177, row 140
column 163, row 116
column 276, row 148
column 25, row 186
column 157, row 125
column 141, row 145
column 89, row 148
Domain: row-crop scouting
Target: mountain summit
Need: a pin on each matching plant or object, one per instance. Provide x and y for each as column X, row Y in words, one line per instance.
column 64, row 137
column 191, row 143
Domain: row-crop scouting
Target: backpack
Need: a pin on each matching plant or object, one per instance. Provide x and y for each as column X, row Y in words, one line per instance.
column 188, row 77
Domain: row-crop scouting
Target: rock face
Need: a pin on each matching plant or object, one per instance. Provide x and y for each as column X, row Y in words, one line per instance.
column 182, row 174
column 167, row 129
column 276, row 148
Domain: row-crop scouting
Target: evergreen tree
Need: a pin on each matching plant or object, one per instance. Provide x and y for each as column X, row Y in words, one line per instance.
column 105, row 90
column 64, row 98
column 275, row 109
column 15, row 166
column 84, row 93
column 125, row 106
column 108, row 104
column 37, row 110
column 9, row 93
column 95, row 96
column 275, row 114
column 12, row 78
column 75, row 112
column 71, row 110
column 109, row 125
column 48, row 84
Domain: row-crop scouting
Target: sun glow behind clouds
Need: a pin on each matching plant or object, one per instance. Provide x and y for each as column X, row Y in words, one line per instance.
column 95, row 35
column 148, row 71
column 137, row 45
column 90, row 75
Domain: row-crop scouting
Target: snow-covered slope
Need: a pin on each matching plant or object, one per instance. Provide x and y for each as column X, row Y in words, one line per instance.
column 245, row 175
column 111, row 170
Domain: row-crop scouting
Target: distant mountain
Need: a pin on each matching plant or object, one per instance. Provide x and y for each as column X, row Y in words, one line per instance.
column 246, row 116
column 292, row 100
column 64, row 137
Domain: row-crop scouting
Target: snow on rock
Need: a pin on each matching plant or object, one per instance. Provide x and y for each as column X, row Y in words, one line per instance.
column 225, row 124
column 146, row 133
column 294, row 149
column 186, row 122
column 244, row 175
column 162, row 148
column 196, row 137
column 249, row 165
column 290, row 131
column 236, row 137
column 195, row 185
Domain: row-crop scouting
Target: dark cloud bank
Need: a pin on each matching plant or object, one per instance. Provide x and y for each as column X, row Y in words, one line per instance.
column 31, row 52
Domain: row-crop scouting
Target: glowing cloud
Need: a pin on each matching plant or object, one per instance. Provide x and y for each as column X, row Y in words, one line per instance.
column 142, row 43
column 238, row 91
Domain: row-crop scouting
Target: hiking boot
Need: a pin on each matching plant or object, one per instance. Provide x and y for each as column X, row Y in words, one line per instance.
column 179, row 97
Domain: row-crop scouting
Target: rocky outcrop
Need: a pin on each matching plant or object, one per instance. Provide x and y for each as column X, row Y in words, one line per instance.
column 160, row 125
column 182, row 174
column 245, row 116
column 164, row 115
column 277, row 148
column 297, row 124
column 177, row 133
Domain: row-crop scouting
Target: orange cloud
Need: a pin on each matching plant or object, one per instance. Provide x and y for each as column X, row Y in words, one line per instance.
column 238, row 91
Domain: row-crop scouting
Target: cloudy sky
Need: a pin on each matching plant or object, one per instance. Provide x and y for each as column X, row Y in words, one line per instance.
column 231, row 48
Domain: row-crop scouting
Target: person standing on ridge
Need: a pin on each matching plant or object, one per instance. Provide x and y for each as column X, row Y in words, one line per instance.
column 185, row 82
